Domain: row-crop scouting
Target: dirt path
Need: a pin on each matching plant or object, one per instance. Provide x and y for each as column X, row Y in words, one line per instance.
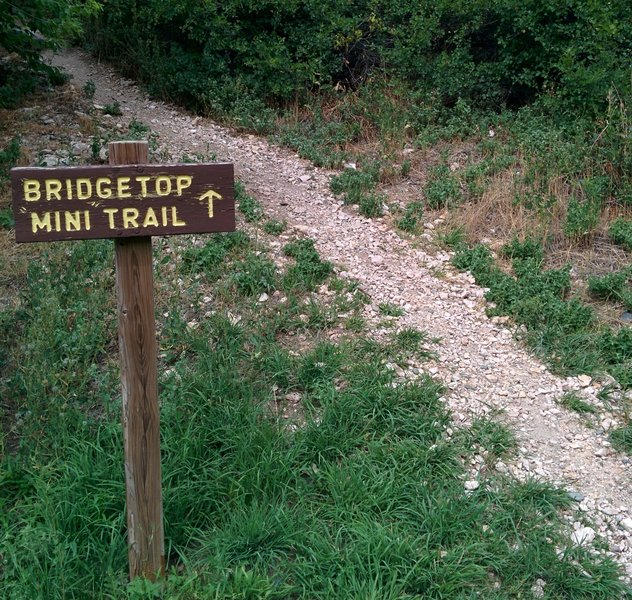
column 483, row 367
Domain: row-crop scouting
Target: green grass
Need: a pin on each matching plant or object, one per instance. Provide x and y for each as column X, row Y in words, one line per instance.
column 9, row 157
column 6, row 218
column 249, row 206
column 309, row 270
column 573, row 402
column 613, row 287
column 360, row 494
column 411, row 221
column 388, row 309
column 622, row 438
column 560, row 328
column 621, row 233
column 274, row 227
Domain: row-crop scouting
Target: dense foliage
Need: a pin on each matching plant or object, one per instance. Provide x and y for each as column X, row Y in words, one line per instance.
column 215, row 55
column 28, row 28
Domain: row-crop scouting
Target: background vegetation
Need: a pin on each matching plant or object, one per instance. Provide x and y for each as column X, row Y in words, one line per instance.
column 297, row 464
column 490, row 53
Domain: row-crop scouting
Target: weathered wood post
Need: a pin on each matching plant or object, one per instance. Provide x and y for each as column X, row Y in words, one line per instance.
column 139, row 381
column 129, row 201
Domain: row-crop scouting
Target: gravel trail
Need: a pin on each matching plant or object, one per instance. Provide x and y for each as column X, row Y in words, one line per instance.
column 483, row 367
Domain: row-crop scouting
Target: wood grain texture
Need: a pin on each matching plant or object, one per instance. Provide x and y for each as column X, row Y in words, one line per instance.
column 141, row 422
column 116, row 201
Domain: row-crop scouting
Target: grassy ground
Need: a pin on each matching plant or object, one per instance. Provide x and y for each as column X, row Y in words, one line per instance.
column 296, row 462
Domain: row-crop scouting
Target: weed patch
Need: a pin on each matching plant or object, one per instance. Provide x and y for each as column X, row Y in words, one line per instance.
column 249, row 206
column 9, row 157
column 358, row 187
column 412, row 218
column 209, row 258
column 274, row 227
column 621, row 233
column 622, row 438
column 573, row 402
column 309, row 271
column 560, row 328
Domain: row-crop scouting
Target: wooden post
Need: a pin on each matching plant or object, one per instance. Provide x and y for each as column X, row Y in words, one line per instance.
column 141, row 424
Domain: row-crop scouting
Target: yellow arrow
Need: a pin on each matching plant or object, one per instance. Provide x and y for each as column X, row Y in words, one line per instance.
column 209, row 197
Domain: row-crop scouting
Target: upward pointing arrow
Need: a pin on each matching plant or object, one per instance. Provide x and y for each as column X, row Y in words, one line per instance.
column 209, row 197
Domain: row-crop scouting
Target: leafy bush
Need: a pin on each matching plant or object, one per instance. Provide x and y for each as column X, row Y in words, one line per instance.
column 9, row 157
column 621, row 233
column 27, row 29
column 528, row 248
column 6, row 218
column 412, row 217
column 612, row 286
column 443, row 189
column 213, row 55
column 355, row 184
column 372, row 205
column 274, row 227
column 581, row 218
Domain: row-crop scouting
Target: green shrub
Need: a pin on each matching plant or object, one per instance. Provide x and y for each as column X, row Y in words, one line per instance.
column 6, row 218
column 413, row 215
column 612, row 286
column 621, row 233
column 274, row 227
column 89, row 89
column 372, row 205
column 443, row 189
column 27, row 29
column 9, row 157
column 113, row 109
column 581, row 218
column 354, row 184
column 526, row 249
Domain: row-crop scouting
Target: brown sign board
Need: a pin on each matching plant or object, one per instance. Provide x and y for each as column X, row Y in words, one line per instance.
column 81, row 203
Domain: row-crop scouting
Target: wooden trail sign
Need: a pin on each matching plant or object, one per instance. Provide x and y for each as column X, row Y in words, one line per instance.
column 129, row 201
column 84, row 203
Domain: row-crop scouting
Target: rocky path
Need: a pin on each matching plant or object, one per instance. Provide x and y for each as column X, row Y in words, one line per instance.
column 484, row 369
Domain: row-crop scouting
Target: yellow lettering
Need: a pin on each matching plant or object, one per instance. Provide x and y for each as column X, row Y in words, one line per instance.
column 86, row 218
column 150, row 219
column 40, row 223
column 31, row 188
column 110, row 212
column 53, row 187
column 69, row 189
column 72, row 220
column 182, row 182
column 174, row 218
column 163, row 179
column 101, row 191
column 122, row 188
column 165, row 220
column 130, row 218
column 143, row 184
column 84, row 188
column 57, row 221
